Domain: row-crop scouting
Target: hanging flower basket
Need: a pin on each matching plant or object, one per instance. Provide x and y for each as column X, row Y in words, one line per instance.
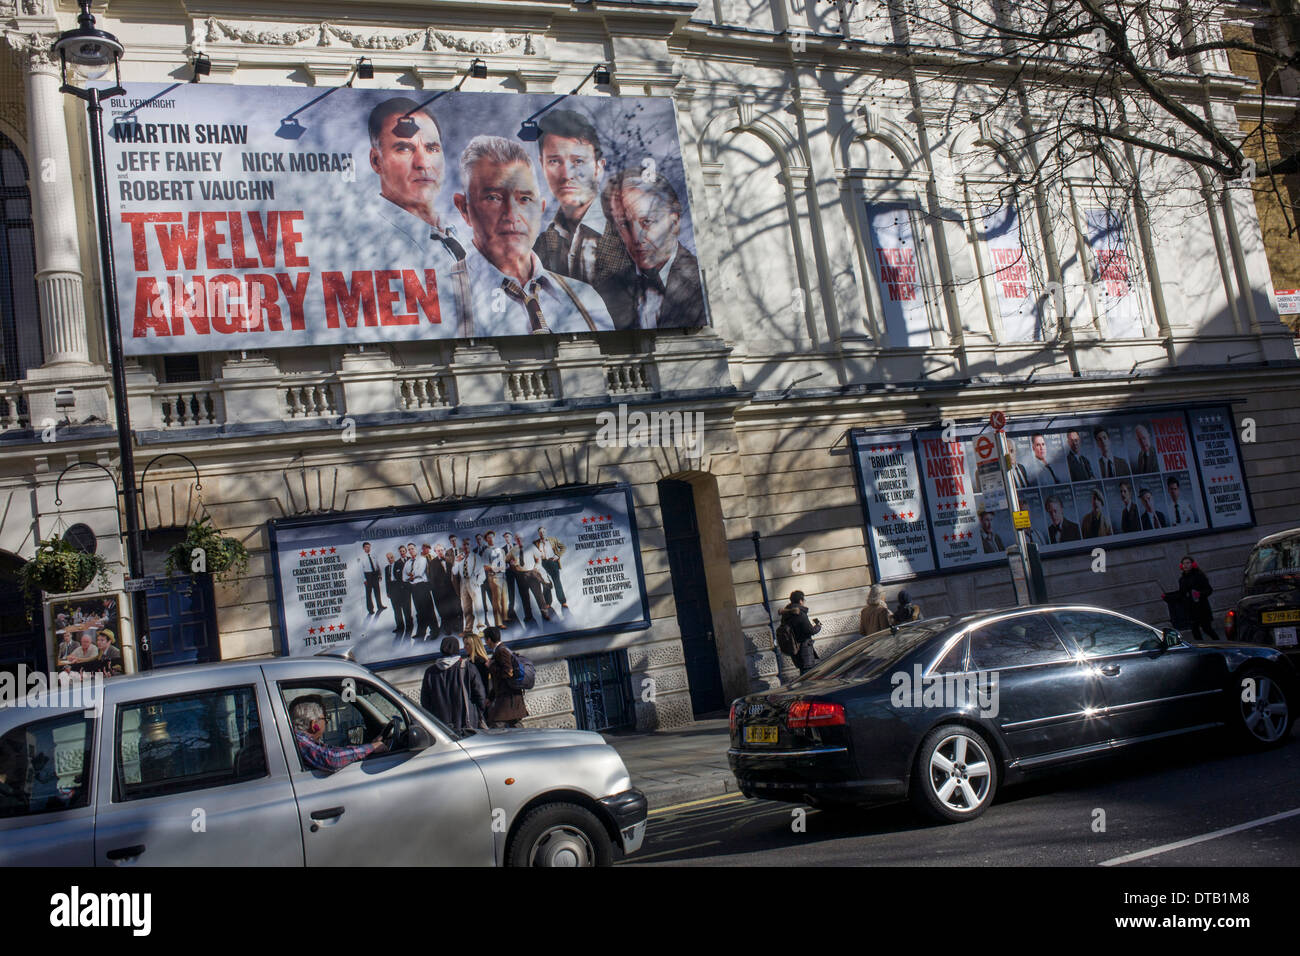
column 205, row 550
column 61, row 568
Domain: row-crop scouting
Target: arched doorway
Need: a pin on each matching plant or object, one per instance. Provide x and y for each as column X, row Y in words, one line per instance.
column 22, row 641
column 712, row 640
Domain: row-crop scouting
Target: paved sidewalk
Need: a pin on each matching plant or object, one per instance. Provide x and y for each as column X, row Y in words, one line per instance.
column 674, row 766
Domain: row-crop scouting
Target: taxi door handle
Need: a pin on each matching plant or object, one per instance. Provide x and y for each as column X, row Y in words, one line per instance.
column 332, row 814
column 125, row 852
column 1109, row 670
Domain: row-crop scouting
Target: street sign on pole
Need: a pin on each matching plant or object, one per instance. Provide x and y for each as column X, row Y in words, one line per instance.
column 1021, row 520
column 998, row 420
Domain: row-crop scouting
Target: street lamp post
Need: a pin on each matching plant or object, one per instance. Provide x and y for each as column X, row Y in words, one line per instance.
column 93, row 53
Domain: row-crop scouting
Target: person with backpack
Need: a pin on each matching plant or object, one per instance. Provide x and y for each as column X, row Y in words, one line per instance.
column 875, row 616
column 453, row 690
column 1193, row 595
column 794, row 636
column 906, row 610
column 506, row 707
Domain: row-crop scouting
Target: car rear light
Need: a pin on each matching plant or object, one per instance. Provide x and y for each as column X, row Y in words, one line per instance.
column 733, row 715
column 815, row 713
column 1230, row 624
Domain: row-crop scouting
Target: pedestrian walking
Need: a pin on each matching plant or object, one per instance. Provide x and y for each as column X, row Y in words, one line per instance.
column 453, row 690
column 794, row 621
column 477, row 657
column 906, row 610
column 875, row 616
column 506, row 707
column 1193, row 595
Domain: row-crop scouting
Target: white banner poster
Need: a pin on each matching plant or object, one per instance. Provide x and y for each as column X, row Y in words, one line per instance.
column 250, row 217
column 392, row 585
column 897, row 524
column 1216, row 449
column 1012, row 284
column 1117, row 300
column 898, row 271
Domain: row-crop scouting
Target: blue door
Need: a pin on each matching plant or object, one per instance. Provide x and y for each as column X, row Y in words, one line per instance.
column 182, row 621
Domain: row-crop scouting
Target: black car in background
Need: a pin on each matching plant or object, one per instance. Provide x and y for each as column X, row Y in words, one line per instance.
column 1269, row 610
column 946, row 710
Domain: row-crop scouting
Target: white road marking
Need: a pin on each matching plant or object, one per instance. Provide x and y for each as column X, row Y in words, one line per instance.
column 1190, row 841
column 637, row 857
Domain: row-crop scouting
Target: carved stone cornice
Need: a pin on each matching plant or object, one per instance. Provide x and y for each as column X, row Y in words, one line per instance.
column 428, row 39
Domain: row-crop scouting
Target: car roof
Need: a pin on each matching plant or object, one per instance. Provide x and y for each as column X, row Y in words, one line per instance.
column 1277, row 536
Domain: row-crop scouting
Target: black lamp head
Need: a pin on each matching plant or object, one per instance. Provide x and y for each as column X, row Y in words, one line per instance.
column 202, row 66
column 406, row 127
column 529, row 131
column 90, row 51
column 365, row 69
column 602, row 75
column 478, row 68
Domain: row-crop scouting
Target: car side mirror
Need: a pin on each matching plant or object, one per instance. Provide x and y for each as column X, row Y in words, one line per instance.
column 1171, row 638
column 417, row 738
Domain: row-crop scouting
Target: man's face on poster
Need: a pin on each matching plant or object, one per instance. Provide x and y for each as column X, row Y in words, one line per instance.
column 503, row 205
column 366, row 547
column 1040, row 447
column 572, row 172
column 1072, row 439
column 986, row 522
column 410, row 168
column 647, row 226
column 1125, row 494
column 439, row 551
column 1103, row 443
column 489, row 538
column 402, row 550
column 1055, row 512
column 1143, row 439
column 1146, row 501
column 1174, row 490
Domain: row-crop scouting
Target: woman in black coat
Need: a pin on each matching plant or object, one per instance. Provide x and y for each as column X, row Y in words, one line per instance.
column 1194, row 590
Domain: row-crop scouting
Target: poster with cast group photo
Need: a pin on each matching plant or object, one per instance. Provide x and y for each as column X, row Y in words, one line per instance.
column 262, row 217
column 392, row 584
column 1118, row 479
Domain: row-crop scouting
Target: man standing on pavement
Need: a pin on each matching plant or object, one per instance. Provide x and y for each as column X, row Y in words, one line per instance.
column 795, row 614
column 506, row 707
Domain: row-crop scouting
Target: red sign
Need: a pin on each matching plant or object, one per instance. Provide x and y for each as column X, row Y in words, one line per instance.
column 984, row 447
column 998, row 420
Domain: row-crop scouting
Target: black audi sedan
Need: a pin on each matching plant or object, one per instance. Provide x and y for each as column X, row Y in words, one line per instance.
column 946, row 710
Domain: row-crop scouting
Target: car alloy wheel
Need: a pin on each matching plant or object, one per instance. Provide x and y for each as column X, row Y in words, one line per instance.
column 562, row 846
column 960, row 773
column 1267, row 717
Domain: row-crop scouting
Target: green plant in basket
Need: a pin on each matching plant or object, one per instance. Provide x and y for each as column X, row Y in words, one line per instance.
column 61, row 568
column 206, row 550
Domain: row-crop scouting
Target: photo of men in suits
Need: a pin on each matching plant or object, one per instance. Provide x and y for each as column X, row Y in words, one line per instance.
column 579, row 241
column 1109, row 465
column 1059, row 527
column 446, row 598
column 469, row 568
column 1130, row 517
column 494, row 570
column 1080, row 467
column 1037, row 468
column 990, row 540
column 395, row 588
column 548, row 551
column 1146, row 460
column 1019, row 476
column 663, row 290
column 371, row 572
column 406, row 154
column 1180, row 511
column 1152, row 517
column 1095, row 524
column 417, row 579
column 511, row 290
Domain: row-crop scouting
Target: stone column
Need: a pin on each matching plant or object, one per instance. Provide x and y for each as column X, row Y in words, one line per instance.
column 54, row 208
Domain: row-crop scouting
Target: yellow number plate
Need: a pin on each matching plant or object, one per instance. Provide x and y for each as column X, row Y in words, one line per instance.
column 1281, row 617
column 760, row 735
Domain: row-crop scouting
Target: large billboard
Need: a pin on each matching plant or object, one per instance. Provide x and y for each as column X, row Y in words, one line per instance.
column 392, row 583
column 250, row 217
column 935, row 500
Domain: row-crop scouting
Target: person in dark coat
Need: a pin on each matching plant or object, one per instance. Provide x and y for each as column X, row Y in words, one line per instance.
column 796, row 615
column 906, row 611
column 506, row 707
column 1194, row 595
column 452, row 690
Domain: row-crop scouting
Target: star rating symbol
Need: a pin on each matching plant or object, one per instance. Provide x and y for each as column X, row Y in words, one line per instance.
column 313, row 552
column 311, row 630
column 333, row 550
column 302, row 554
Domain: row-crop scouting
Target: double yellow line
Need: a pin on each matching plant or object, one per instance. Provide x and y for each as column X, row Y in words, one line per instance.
column 707, row 801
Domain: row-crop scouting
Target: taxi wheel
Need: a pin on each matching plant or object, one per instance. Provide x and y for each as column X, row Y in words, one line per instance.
column 560, row 834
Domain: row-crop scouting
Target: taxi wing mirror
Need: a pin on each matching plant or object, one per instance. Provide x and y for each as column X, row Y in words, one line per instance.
column 418, row 738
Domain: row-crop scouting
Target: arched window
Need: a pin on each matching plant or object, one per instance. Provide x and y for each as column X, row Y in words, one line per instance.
column 20, row 321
